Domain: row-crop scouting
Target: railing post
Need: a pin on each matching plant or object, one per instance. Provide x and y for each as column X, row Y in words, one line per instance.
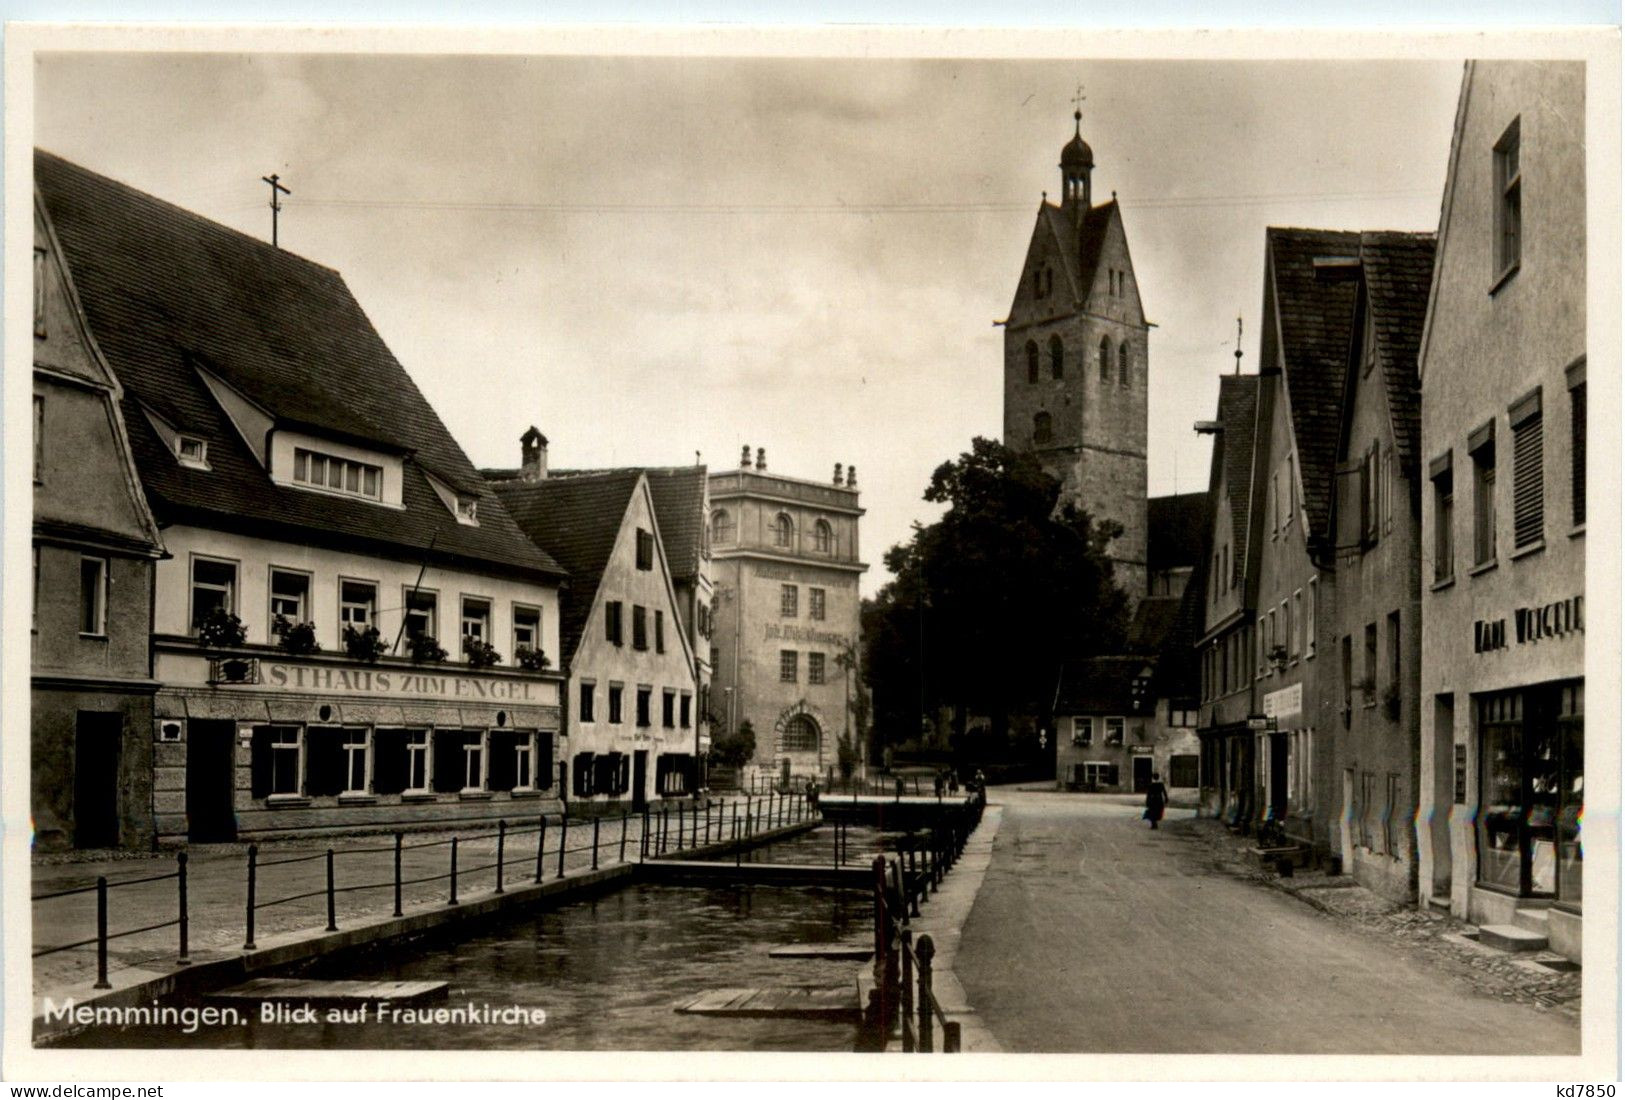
column 253, row 858
column 624, row 815
column 398, row 839
column 564, row 838
column 926, row 950
column 541, row 846
column 906, row 1031
column 665, row 823
column 453, row 899
column 502, row 844
column 595, row 822
column 101, row 933
column 180, row 885
column 332, row 909
column 643, row 836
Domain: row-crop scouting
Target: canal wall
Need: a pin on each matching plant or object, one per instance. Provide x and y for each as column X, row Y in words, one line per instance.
column 279, row 950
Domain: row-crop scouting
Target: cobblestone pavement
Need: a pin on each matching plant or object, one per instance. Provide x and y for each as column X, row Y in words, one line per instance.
column 1439, row 938
column 363, row 881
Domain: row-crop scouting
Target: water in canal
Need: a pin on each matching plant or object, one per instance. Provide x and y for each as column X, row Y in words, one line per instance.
column 608, row 970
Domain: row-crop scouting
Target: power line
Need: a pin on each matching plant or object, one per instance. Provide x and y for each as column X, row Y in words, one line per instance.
column 863, row 208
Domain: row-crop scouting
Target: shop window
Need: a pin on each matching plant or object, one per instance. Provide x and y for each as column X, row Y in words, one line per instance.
column 214, row 588
column 400, row 761
column 640, row 627
column 1528, row 479
column 815, row 668
column 815, row 604
column 1532, row 791
column 93, row 596
column 643, row 707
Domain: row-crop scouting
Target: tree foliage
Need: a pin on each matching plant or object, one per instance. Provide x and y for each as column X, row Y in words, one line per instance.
column 986, row 600
column 733, row 749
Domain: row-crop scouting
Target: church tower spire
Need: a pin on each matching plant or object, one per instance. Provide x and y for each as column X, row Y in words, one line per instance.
column 1077, row 160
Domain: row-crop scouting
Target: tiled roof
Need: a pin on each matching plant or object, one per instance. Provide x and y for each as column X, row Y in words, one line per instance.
column 679, row 499
column 1082, row 259
column 166, row 291
column 1153, row 619
column 1398, row 272
column 1177, row 670
column 1098, row 685
column 1176, row 527
column 1238, row 414
column 575, row 519
column 1314, row 314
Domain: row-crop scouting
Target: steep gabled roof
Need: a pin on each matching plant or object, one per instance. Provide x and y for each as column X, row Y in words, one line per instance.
column 1238, row 417
column 1313, row 314
column 1177, row 674
column 1099, row 685
column 1398, row 272
column 1175, row 530
column 1152, row 620
column 576, row 520
column 679, row 498
column 166, row 292
column 1079, row 249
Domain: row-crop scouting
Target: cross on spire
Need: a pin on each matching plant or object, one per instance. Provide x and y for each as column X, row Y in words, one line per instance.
column 276, row 206
column 1077, row 104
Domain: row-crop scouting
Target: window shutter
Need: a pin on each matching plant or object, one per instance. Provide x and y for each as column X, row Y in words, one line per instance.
column 1577, row 403
column 1528, row 491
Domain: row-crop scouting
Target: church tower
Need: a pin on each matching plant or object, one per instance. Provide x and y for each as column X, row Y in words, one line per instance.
column 1075, row 361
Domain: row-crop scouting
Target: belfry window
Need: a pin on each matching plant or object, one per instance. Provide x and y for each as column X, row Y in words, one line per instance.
column 1043, row 429
column 1122, row 363
column 1057, row 357
column 1105, row 360
column 1032, row 361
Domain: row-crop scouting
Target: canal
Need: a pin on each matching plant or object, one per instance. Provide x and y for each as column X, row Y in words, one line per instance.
column 609, row 971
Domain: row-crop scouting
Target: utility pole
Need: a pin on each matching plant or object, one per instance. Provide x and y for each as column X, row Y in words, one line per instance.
column 276, row 205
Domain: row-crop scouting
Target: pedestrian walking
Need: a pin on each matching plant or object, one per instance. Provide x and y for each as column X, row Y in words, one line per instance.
column 1156, row 800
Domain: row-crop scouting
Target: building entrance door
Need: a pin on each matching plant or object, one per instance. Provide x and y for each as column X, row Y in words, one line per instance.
column 97, row 740
column 1279, row 760
column 211, row 781
column 640, row 779
column 1142, row 774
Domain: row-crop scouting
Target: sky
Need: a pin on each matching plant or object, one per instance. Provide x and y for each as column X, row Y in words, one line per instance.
column 649, row 257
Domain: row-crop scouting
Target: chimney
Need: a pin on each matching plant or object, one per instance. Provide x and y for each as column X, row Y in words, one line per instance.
column 837, row 473
column 533, row 455
column 761, row 458
column 851, row 477
column 744, row 457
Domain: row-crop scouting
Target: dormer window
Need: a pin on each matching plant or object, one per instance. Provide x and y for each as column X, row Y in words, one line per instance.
column 468, row 509
column 463, row 505
column 192, row 451
column 337, row 475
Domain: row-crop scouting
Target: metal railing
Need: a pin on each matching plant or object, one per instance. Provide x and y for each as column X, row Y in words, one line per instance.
column 604, row 840
column 102, row 936
column 904, row 993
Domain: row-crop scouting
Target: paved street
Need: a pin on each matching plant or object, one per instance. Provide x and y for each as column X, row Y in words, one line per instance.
column 1093, row 933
